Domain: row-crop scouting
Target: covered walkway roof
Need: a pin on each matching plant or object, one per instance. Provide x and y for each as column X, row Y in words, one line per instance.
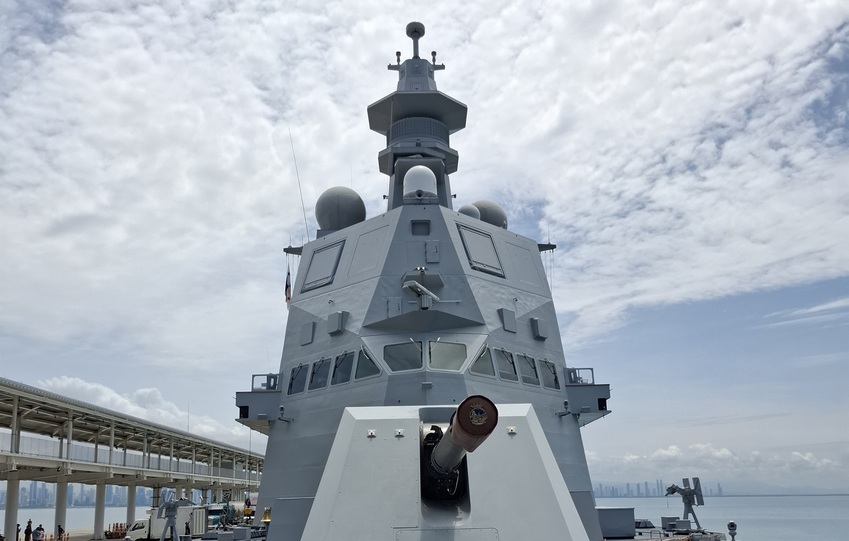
column 48, row 437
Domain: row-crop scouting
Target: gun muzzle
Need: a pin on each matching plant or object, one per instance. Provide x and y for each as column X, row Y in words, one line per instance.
column 472, row 423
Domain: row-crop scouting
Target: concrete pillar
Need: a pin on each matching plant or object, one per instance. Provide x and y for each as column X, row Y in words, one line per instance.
column 155, row 497
column 99, row 509
column 61, row 508
column 69, row 435
column 131, row 504
column 111, row 442
column 15, row 439
column 13, row 490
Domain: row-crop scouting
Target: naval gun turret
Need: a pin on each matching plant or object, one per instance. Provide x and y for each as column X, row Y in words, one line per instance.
column 399, row 325
column 443, row 453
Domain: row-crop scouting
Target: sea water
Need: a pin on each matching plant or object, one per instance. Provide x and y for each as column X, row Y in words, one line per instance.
column 758, row 518
column 77, row 519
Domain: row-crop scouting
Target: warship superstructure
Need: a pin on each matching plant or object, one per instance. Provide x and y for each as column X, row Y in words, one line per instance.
column 416, row 327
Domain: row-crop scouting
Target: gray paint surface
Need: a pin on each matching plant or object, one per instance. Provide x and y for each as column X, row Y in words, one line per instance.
column 420, row 273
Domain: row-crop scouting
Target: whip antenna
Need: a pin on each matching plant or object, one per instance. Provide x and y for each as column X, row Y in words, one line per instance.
column 298, row 176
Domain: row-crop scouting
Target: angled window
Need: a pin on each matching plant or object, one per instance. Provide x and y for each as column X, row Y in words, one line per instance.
column 403, row 356
column 446, row 355
column 549, row 375
column 322, row 267
column 506, row 366
column 481, row 251
column 366, row 367
column 319, row 373
column 483, row 364
column 342, row 368
column 528, row 369
column 298, row 379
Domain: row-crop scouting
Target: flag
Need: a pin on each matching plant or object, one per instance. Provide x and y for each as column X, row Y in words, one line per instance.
column 288, row 284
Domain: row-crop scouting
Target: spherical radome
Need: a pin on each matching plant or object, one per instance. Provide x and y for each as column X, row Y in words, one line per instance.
column 471, row 211
column 419, row 181
column 339, row 207
column 492, row 213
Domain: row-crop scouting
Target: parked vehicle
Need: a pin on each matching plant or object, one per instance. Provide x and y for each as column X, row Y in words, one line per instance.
column 150, row 527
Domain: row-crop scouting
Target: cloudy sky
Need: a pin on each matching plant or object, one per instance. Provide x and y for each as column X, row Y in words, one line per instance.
column 690, row 160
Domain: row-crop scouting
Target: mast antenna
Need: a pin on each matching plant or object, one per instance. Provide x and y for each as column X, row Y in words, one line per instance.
column 300, row 190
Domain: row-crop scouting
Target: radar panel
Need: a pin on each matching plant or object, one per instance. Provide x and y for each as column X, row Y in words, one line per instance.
column 323, row 266
column 481, row 251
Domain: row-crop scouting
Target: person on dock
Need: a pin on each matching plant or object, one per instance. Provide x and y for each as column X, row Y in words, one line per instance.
column 38, row 533
column 28, row 531
column 60, row 532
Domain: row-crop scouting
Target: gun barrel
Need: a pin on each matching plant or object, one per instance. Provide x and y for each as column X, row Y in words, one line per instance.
column 472, row 423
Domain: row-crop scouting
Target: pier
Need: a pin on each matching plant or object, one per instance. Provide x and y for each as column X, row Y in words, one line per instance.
column 49, row 438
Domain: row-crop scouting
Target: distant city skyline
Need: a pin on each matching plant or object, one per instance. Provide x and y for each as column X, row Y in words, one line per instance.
column 38, row 494
column 645, row 490
column 41, row 495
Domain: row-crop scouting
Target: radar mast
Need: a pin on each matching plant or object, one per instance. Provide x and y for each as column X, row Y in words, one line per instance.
column 417, row 120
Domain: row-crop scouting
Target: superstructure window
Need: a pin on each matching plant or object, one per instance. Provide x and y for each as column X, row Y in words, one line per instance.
column 481, row 251
column 342, row 368
column 528, row 369
column 322, row 267
column 549, row 375
column 483, row 364
column 366, row 367
column 404, row 356
column 506, row 366
column 298, row 379
column 446, row 355
column 319, row 373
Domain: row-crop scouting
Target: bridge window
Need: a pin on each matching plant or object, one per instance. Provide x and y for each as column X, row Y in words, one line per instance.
column 342, row 368
column 528, row 369
column 366, row 367
column 549, row 375
column 480, row 251
column 319, row 373
column 483, row 364
column 322, row 266
column 298, row 379
column 446, row 355
column 404, row 356
column 506, row 366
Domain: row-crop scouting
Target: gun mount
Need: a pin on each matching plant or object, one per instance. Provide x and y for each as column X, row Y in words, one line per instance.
column 443, row 477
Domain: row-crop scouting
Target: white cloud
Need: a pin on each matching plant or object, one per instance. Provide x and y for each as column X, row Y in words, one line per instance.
column 150, row 139
column 147, row 184
column 713, row 463
column 149, row 404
